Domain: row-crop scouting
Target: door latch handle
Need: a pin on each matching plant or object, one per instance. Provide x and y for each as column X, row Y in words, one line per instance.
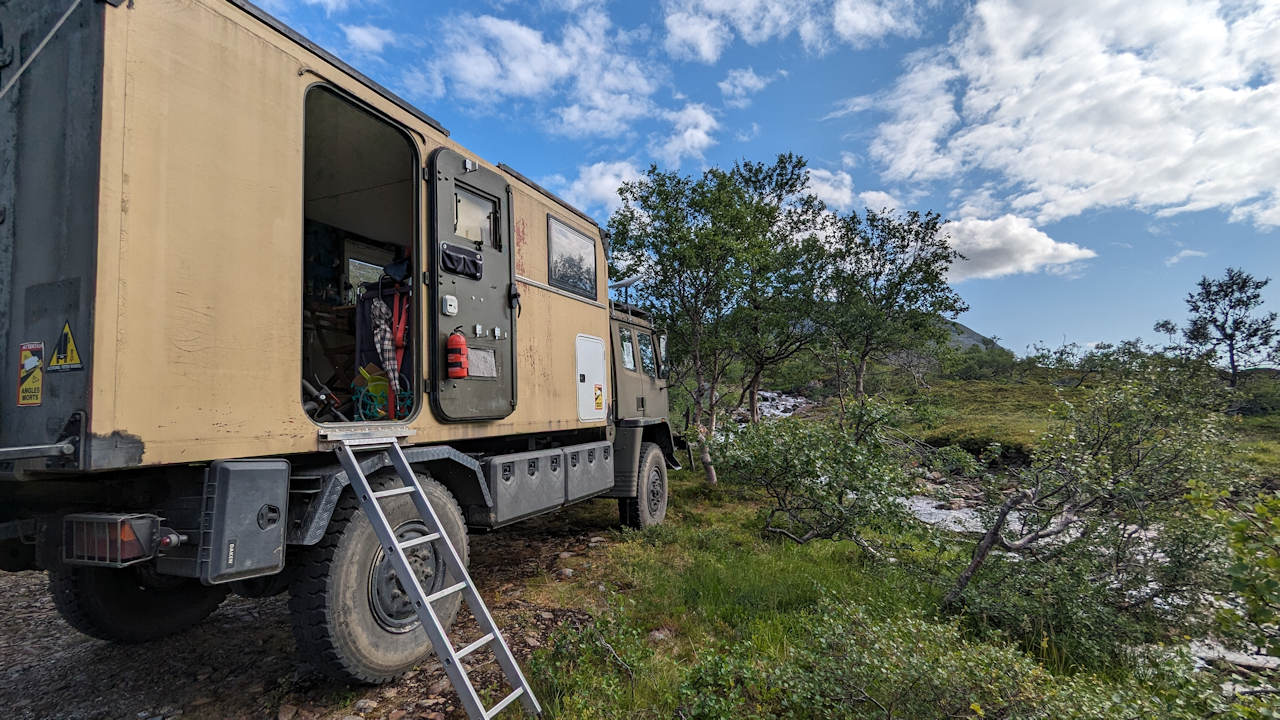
column 582, row 377
column 513, row 299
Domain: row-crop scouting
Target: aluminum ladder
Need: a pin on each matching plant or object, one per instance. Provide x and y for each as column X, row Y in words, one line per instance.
column 370, row 501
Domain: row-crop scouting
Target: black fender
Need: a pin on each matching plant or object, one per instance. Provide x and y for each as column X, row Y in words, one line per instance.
column 458, row 472
column 629, row 435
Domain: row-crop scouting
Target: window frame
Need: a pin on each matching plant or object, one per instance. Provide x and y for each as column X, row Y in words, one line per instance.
column 552, row 221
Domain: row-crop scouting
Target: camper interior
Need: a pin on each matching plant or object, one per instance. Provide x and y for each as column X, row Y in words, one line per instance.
column 360, row 253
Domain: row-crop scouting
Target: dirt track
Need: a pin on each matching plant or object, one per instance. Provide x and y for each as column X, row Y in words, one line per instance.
column 241, row 662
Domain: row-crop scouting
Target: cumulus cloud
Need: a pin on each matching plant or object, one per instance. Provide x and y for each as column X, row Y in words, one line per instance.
column 701, row 29
column 368, row 38
column 595, row 85
column 861, row 22
column 740, row 84
column 879, row 200
column 1167, row 106
column 1183, row 255
column 833, row 187
column 696, row 37
column 1009, row 245
column 691, row 134
column 330, row 6
column 597, row 184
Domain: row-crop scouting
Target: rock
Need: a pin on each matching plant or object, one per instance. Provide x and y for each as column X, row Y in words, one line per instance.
column 546, row 615
column 935, row 475
column 597, row 539
column 397, row 715
column 566, row 573
column 439, row 687
column 566, row 555
column 352, row 717
column 435, row 716
column 287, row 712
column 364, row 705
column 533, row 641
column 201, row 700
column 659, row 635
column 602, row 588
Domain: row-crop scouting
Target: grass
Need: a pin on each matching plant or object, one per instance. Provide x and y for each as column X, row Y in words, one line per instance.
column 702, row 616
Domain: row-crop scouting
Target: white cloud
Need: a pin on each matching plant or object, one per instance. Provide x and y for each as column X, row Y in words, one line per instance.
column 696, row 37
column 691, row 135
column 749, row 134
column 702, row 29
column 879, row 200
column 835, row 188
column 861, row 22
column 593, row 84
column 597, row 185
column 1166, row 106
column 368, row 38
column 1009, row 245
column 740, row 84
column 1183, row 255
column 332, row 6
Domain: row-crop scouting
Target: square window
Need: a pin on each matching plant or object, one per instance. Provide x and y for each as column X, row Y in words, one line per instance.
column 572, row 259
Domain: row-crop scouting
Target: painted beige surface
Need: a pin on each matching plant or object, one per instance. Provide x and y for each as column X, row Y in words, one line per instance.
column 198, row 307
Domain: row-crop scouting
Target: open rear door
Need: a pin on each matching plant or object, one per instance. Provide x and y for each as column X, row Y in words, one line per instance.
column 472, row 287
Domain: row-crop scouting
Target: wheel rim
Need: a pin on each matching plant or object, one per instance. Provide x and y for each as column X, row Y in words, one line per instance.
column 657, row 490
column 391, row 605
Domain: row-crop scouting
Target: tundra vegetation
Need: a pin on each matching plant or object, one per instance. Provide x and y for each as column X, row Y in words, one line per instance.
column 1120, row 501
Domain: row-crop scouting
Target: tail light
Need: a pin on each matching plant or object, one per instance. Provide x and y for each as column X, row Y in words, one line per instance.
column 109, row 539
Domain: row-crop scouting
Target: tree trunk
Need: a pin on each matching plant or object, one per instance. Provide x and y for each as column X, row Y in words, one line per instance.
column 860, row 375
column 1231, row 361
column 753, row 397
column 984, row 548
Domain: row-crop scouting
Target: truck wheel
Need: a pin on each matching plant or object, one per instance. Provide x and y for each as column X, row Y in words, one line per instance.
column 351, row 617
column 650, row 506
column 130, row 605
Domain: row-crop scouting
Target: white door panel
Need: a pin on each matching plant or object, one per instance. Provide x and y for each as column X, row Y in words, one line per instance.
column 593, row 388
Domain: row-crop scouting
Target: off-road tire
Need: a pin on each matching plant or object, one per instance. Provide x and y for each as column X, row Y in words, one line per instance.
column 334, row 622
column 126, row 606
column 649, row 507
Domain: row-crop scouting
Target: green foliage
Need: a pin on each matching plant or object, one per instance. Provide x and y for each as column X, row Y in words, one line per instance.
column 887, row 279
column 1251, row 614
column 822, row 481
column 979, row 363
column 1102, row 547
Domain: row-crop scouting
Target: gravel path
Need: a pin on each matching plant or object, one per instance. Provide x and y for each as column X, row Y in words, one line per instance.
column 241, row 662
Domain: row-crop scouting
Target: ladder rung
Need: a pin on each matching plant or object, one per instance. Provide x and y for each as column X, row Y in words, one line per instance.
column 419, row 541
column 505, row 702
column 474, row 646
column 445, row 592
column 395, row 491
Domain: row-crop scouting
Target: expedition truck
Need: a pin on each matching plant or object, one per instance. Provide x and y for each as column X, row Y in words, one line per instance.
column 223, row 252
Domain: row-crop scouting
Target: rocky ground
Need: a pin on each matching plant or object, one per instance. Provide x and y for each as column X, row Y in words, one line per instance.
column 241, row 662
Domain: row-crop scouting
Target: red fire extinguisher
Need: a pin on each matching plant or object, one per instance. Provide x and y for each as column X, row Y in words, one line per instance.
column 455, row 355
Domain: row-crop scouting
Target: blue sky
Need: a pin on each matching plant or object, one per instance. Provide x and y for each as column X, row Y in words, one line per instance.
column 1095, row 157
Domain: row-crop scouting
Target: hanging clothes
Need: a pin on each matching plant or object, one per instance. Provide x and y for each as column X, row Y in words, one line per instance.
column 384, row 338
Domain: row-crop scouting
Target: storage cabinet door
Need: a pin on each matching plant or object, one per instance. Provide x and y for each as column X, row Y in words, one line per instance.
column 592, row 387
column 471, row 289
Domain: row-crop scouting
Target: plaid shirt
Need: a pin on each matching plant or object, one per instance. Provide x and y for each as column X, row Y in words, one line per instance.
column 380, row 318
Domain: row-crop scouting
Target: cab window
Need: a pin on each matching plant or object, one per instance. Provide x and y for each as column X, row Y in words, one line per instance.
column 647, row 357
column 628, row 349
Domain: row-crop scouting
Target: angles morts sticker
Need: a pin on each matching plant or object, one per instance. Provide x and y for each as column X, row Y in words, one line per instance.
column 30, row 373
column 65, row 356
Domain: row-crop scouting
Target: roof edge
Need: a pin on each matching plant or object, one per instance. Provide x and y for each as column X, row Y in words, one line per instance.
column 559, row 200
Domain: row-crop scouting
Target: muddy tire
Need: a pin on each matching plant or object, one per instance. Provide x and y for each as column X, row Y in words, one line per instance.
column 650, row 506
column 130, row 605
column 351, row 618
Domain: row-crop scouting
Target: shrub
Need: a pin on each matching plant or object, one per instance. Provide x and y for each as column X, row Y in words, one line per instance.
column 820, row 481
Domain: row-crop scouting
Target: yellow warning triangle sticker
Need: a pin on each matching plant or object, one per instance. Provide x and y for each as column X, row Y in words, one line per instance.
column 64, row 356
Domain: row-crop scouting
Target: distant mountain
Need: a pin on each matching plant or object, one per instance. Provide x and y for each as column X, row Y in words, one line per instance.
column 963, row 337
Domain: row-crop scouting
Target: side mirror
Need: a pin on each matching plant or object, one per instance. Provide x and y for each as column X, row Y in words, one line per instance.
column 663, row 370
